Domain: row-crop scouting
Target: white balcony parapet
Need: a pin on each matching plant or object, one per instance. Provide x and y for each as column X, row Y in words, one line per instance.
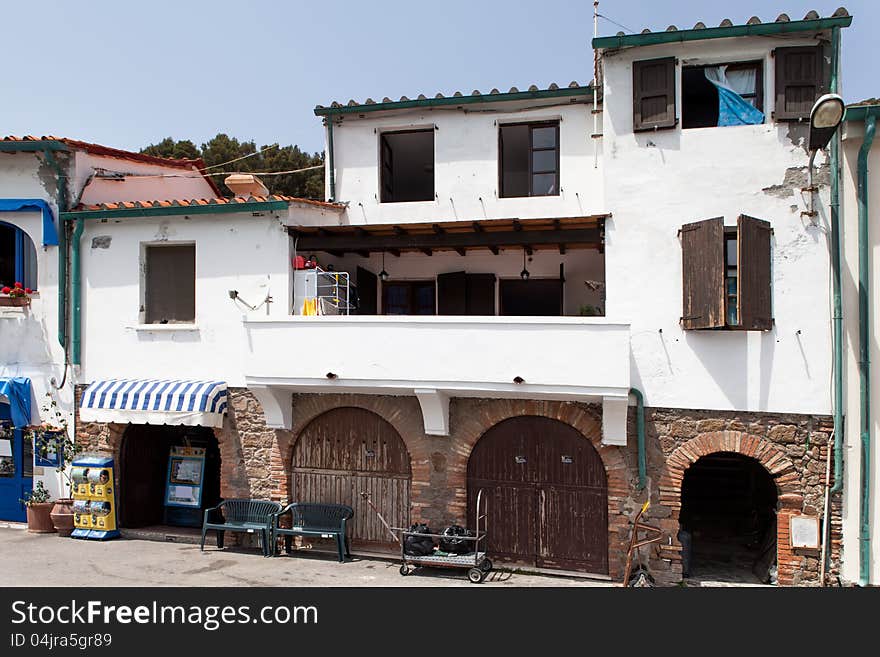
column 439, row 357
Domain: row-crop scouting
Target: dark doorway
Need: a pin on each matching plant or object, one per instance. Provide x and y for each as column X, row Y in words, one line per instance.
column 407, row 166
column 143, row 471
column 534, row 298
column 547, row 495
column 728, row 519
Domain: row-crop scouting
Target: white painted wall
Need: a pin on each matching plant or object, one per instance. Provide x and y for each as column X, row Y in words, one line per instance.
column 853, row 135
column 145, row 182
column 29, row 344
column 241, row 252
column 466, row 165
column 657, row 181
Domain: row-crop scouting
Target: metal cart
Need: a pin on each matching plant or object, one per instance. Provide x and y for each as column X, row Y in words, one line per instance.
column 478, row 565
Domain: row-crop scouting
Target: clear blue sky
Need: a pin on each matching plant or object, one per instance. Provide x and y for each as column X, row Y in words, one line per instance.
column 128, row 73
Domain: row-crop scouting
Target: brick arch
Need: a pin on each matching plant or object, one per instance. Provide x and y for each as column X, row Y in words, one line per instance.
column 775, row 462
column 586, row 420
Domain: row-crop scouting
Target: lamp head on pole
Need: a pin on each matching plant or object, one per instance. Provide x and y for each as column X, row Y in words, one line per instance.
column 825, row 117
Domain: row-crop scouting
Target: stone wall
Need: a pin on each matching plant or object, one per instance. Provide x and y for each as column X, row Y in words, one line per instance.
column 256, row 462
column 793, row 448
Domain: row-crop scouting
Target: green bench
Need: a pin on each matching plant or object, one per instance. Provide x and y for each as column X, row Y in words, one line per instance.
column 312, row 519
column 243, row 516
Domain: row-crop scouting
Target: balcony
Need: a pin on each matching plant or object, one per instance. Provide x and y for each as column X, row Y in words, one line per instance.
column 438, row 357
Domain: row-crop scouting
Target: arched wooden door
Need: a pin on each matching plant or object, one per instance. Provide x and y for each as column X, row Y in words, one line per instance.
column 547, row 494
column 348, row 450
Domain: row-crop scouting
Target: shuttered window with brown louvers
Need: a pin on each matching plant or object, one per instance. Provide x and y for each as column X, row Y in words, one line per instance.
column 702, row 264
column 801, row 77
column 654, row 94
column 754, row 307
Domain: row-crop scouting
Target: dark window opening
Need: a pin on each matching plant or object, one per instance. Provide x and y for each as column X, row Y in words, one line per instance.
column 529, row 159
column 728, row 519
column 18, row 258
column 170, row 293
column 723, row 95
column 531, row 298
column 408, row 298
column 407, row 166
column 730, row 280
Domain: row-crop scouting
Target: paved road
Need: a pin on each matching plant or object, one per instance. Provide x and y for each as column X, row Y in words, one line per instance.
column 49, row 560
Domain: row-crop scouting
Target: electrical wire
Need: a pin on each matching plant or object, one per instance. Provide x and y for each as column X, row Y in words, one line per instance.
column 613, row 22
column 201, row 175
column 243, row 157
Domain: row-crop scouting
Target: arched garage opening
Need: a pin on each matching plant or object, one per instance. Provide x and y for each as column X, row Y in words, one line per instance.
column 344, row 452
column 728, row 519
column 547, row 495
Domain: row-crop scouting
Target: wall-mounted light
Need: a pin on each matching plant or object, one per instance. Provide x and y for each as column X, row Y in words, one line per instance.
column 383, row 275
column 524, row 274
column 825, row 118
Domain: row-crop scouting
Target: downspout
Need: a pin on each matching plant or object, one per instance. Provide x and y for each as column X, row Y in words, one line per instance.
column 640, row 428
column 331, row 174
column 837, row 304
column 864, row 356
column 76, row 294
column 62, row 249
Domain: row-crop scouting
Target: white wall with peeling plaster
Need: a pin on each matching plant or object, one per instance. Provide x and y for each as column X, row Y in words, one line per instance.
column 655, row 182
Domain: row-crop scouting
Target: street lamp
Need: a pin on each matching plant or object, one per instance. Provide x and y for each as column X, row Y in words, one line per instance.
column 825, row 118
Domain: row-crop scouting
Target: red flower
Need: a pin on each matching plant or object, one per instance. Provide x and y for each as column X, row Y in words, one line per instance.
column 17, row 284
column 7, row 290
column 28, row 290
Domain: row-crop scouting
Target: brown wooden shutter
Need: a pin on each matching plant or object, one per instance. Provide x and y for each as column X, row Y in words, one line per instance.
column 801, row 77
column 170, row 293
column 654, row 94
column 702, row 266
column 452, row 293
column 753, row 270
column 366, row 290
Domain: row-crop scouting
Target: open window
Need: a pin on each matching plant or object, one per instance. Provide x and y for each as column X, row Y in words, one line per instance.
column 18, row 257
column 802, row 75
column 407, row 166
column 726, row 275
column 529, row 159
column 170, row 284
column 722, row 95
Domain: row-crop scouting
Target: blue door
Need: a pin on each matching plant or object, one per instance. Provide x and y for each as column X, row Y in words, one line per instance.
column 16, row 468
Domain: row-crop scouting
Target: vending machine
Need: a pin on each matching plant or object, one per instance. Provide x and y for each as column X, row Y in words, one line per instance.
column 183, row 486
column 94, row 498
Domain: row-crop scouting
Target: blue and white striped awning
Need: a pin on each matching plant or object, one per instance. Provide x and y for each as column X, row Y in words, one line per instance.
column 155, row 401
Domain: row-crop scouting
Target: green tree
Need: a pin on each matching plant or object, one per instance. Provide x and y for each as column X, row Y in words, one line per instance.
column 222, row 149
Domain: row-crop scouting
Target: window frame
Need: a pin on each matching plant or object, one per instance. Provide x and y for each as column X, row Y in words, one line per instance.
column 759, row 96
column 411, row 284
column 382, row 147
column 144, row 313
column 532, row 125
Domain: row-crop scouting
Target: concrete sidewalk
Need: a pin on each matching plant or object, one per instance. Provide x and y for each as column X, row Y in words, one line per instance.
column 49, row 560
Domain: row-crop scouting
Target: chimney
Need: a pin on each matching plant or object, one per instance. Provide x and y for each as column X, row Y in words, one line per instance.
column 245, row 184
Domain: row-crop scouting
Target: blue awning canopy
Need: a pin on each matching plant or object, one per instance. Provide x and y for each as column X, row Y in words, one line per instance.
column 155, row 401
column 50, row 234
column 17, row 392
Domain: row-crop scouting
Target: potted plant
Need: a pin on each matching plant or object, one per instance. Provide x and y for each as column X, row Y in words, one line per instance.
column 52, row 441
column 39, row 507
column 17, row 295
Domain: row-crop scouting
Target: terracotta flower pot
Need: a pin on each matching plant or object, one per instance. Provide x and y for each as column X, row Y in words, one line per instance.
column 15, row 302
column 62, row 516
column 38, row 518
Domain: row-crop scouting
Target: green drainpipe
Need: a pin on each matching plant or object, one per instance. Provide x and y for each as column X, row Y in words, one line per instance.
column 76, row 294
column 62, row 248
column 640, row 427
column 330, row 165
column 837, row 304
column 864, row 356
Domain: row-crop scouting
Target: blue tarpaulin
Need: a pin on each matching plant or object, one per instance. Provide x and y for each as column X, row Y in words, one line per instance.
column 50, row 234
column 17, row 392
